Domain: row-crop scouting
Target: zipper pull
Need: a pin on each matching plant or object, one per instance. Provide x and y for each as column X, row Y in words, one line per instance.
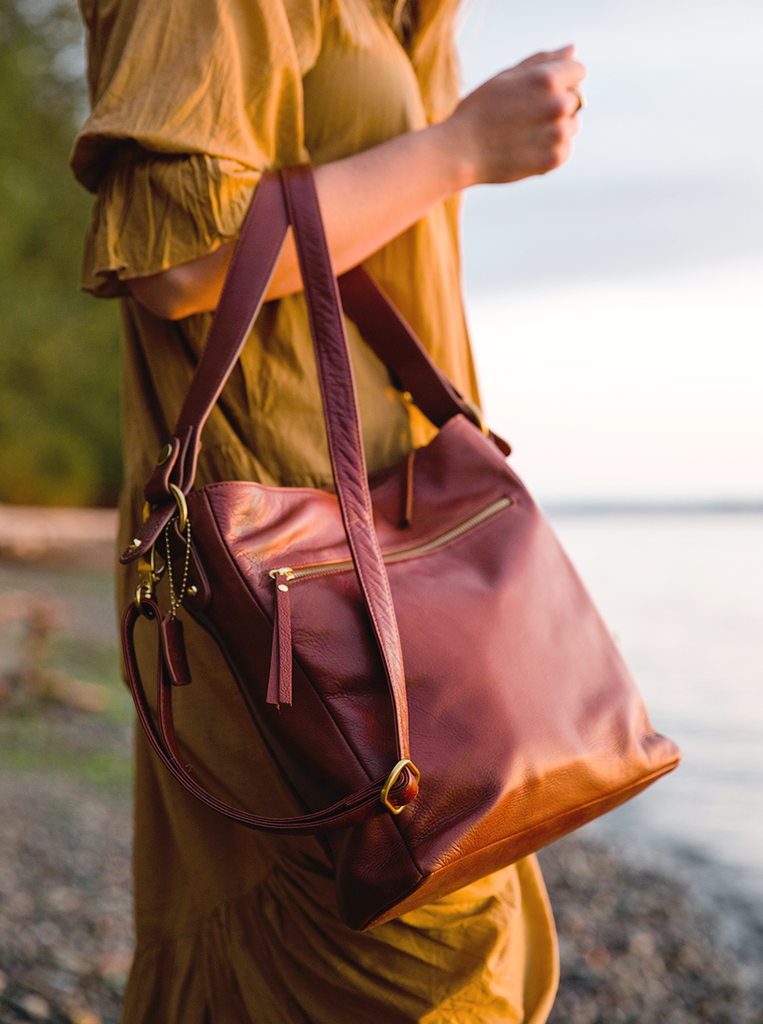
column 173, row 650
column 279, row 680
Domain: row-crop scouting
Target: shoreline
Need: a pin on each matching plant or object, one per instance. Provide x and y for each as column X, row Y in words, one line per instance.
column 651, row 938
column 714, row 884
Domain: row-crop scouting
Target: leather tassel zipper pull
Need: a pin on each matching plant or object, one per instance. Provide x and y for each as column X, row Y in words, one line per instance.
column 279, row 680
column 173, row 650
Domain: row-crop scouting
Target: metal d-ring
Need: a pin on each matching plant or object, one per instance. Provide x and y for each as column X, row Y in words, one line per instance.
column 392, row 778
column 182, row 505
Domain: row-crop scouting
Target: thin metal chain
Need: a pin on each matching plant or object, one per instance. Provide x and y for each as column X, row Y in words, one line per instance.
column 176, row 600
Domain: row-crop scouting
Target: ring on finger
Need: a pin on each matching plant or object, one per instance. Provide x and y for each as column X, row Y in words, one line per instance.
column 578, row 92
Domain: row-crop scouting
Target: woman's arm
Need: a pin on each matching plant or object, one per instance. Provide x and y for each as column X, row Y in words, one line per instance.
column 518, row 124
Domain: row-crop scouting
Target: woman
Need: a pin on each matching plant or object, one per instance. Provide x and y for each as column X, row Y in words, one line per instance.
column 191, row 102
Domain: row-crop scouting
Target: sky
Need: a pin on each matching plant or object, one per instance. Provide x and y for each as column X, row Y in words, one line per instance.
column 616, row 305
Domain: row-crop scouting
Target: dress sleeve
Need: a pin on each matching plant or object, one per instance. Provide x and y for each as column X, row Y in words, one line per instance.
column 191, row 101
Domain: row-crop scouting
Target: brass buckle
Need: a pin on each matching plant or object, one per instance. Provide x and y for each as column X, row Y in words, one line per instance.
column 392, row 778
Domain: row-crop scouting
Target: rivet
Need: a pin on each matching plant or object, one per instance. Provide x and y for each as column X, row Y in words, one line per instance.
column 283, row 588
column 192, row 590
column 135, row 544
column 164, row 454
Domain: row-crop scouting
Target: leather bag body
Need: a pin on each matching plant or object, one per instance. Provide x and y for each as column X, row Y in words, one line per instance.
column 417, row 652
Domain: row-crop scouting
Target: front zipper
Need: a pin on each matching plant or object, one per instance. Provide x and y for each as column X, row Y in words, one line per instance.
column 286, row 572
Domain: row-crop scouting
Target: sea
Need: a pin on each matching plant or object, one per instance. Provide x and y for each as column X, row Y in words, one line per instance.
column 616, row 313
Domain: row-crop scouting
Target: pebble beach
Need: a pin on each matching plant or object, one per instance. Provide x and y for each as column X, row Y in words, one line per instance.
column 636, row 946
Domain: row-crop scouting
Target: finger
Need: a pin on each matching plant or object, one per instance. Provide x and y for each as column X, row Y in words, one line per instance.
column 566, row 73
column 574, row 101
column 546, row 56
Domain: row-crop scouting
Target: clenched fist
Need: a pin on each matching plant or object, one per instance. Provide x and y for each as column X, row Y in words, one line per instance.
column 519, row 123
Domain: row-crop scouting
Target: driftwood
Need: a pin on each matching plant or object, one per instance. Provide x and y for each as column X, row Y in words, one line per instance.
column 85, row 537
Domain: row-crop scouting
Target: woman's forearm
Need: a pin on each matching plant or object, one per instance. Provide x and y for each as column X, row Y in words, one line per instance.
column 366, row 200
column 517, row 124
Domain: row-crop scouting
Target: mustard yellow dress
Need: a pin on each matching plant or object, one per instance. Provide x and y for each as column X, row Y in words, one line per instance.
column 191, row 100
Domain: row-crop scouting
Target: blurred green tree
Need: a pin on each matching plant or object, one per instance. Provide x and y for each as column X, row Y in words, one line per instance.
column 59, row 349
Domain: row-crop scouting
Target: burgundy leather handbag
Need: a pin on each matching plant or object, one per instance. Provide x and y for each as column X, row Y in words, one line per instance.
column 419, row 655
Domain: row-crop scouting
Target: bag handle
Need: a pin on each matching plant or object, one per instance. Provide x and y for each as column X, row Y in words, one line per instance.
column 349, row 811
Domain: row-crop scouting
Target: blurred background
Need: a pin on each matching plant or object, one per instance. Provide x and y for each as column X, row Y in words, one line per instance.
column 616, row 304
column 65, row 721
column 616, row 311
column 59, row 363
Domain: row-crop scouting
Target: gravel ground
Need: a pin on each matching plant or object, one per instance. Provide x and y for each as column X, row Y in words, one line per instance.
column 635, row 947
column 65, row 914
column 642, row 946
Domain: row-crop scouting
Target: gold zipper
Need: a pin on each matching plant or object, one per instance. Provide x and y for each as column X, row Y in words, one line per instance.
column 397, row 556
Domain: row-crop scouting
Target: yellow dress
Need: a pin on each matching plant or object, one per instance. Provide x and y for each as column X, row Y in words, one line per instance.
column 191, row 100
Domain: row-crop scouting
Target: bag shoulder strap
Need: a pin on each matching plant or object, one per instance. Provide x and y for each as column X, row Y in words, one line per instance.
column 395, row 343
column 340, row 411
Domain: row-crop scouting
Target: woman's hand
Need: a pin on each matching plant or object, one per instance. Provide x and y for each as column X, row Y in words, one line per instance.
column 519, row 123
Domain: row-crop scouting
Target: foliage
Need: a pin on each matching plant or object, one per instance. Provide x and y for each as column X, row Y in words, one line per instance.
column 59, row 362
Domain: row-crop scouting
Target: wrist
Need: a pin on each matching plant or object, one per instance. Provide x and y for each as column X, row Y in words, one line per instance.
column 453, row 155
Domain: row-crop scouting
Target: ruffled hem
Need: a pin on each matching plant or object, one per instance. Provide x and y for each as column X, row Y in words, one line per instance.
column 279, row 955
column 156, row 211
